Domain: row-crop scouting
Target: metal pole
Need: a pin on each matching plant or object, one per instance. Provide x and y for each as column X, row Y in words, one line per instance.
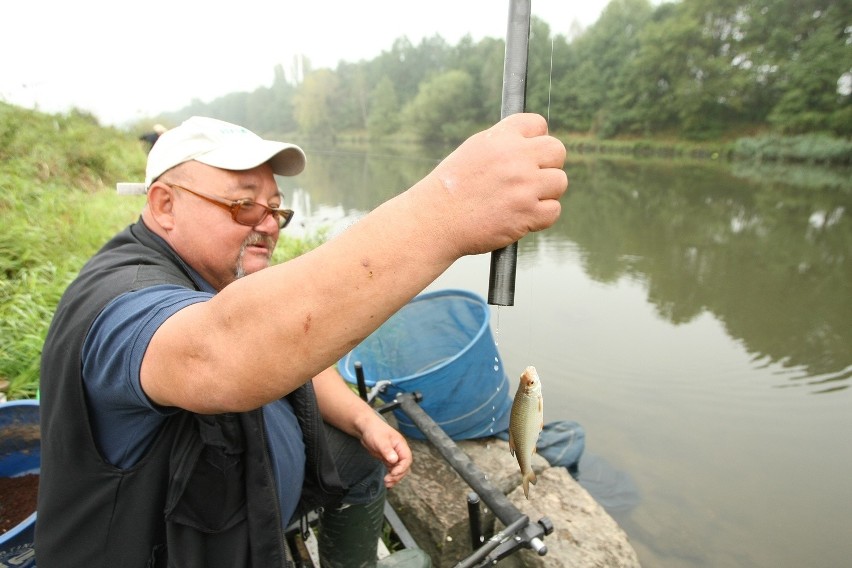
column 475, row 519
column 495, row 541
column 362, row 383
column 501, row 280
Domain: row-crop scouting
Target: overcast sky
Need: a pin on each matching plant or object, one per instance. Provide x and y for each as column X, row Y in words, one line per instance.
column 125, row 60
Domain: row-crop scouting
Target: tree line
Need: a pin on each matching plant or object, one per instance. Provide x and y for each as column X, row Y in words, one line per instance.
column 694, row 69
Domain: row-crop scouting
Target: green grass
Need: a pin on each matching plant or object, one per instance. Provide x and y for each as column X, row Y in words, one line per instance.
column 822, row 149
column 58, row 205
column 808, row 148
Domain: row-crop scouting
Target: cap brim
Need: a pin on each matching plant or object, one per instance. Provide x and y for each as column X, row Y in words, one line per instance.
column 285, row 159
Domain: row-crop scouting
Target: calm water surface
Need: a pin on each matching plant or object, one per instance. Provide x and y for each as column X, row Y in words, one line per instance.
column 697, row 321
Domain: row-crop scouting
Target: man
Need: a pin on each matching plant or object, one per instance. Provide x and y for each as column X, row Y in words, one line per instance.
column 150, row 138
column 185, row 383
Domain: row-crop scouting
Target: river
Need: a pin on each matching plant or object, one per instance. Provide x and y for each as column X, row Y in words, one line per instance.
column 696, row 320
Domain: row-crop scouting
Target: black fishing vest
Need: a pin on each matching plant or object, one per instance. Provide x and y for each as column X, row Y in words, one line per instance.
column 203, row 496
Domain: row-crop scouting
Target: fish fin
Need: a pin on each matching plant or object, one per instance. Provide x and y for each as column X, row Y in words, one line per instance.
column 511, row 444
column 529, row 477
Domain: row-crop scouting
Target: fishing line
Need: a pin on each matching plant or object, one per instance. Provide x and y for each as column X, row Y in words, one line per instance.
column 535, row 236
column 550, row 82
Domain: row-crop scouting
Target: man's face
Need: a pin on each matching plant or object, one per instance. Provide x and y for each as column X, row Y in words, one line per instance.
column 205, row 234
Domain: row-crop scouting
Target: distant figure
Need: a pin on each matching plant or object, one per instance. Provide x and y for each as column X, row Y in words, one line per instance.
column 151, row 137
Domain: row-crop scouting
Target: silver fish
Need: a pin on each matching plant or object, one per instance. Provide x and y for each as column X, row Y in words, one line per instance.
column 525, row 424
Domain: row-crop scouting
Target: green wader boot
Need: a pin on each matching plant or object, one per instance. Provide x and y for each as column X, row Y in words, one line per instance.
column 349, row 535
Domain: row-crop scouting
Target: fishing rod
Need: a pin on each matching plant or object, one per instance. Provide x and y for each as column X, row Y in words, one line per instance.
column 504, row 261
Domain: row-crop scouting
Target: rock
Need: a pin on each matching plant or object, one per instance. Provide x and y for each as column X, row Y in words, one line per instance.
column 432, row 502
column 584, row 535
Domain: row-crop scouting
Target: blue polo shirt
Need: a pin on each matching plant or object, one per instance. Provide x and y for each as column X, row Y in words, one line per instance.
column 125, row 422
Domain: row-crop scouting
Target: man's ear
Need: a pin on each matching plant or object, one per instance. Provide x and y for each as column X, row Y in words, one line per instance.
column 161, row 204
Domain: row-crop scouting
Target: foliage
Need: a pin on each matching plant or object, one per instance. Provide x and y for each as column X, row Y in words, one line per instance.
column 694, row 69
column 313, row 104
column 290, row 247
column 442, row 110
column 58, row 205
column 810, row 101
column 383, row 117
column 603, row 55
column 55, row 210
column 817, row 148
column 62, row 149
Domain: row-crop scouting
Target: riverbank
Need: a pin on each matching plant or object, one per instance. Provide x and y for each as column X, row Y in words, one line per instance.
column 806, row 149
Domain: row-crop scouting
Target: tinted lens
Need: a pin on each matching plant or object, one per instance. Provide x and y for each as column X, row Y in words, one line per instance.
column 251, row 213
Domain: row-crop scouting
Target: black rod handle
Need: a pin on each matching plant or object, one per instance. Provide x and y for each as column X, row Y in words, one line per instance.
column 501, row 279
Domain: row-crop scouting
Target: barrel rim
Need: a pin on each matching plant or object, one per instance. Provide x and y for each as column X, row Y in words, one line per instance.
column 398, row 381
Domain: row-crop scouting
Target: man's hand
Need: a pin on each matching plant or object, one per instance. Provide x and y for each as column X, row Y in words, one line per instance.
column 387, row 444
column 499, row 185
column 345, row 410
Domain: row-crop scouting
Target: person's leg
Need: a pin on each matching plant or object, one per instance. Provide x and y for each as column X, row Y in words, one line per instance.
column 349, row 532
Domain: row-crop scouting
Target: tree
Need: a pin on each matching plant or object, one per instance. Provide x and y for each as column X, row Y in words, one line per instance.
column 271, row 109
column 352, row 99
column 602, row 57
column 483, row 61
column 686, row 73
column 408, row 66
column 689, row 68
column 312, row 105
column 812, row 98
column 443, row 109
column 538, row 67
column 383, row 116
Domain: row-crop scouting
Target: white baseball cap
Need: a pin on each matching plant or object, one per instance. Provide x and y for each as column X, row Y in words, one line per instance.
column 219, row 144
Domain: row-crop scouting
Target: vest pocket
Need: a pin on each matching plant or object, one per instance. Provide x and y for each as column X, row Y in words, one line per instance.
column 207, row 485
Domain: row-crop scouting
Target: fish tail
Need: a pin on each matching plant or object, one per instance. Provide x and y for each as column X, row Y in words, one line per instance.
column 529, row 477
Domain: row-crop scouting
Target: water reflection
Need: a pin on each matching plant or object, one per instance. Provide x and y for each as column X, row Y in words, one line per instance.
column 769, row 259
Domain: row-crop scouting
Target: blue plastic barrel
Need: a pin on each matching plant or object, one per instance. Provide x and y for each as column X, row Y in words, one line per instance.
column 20, row 454
column 439, row 344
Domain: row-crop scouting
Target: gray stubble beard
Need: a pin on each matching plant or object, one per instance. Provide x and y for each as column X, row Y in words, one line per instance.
column 252, row 239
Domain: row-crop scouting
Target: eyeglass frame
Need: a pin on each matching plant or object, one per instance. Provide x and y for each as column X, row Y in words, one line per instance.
column 234, row 207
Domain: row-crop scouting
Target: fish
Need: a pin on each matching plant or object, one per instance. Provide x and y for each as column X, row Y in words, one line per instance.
column 526, row 423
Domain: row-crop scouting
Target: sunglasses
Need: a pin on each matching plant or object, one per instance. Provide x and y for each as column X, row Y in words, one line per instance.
column 243, row 211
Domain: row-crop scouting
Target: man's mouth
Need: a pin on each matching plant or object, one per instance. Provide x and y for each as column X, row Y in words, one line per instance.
column 259, row 244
